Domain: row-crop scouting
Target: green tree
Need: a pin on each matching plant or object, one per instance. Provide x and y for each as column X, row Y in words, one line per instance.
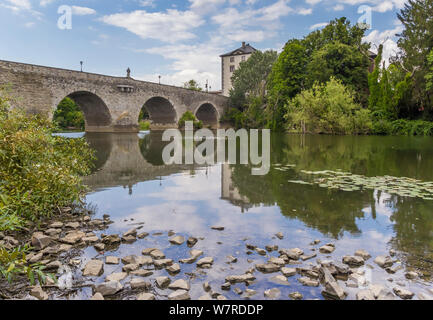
column 341, row 61
column 69, row 115
column 250, row 79
column 327, row 108
column 189, row 116
column 416, row 43
column 285, row 81
column 192, row 85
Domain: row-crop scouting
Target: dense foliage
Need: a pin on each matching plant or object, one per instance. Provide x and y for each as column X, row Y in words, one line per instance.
column 372, row 97
column 189, row 116
column 68, row 115
column 327, row 108
column 39, row 172
column 14, row 263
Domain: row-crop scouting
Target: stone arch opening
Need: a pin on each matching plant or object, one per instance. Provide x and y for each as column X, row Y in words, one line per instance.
column 208, row 114
column 95, row 111
column 161, row 111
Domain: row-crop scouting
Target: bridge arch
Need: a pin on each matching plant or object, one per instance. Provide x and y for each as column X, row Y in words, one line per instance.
column 161, row 111
column 96, row 113
column 208, row 114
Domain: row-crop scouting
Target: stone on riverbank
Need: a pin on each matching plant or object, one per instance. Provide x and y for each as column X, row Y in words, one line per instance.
column 326, row 249
column 384, row 261
column 94, row 268
column 109, row 288
column 179, row 285
column 38, row 293
column 173, row 269
column 288, row 272
column 353, row 261
column 111, row 260
column 179, row 295
column 217, row 228
column 97, row 296
column 146, row 296
column 40, row 240
column 138, row 283
column 268, row 268
column 363, row 254
column 162, row 282
column 308, row 282
column 296, row 296
column 205, row 261
column 241, row 278
column 403, row 293
column 273, row 293
column 117, row 276
column 177, row 240
column 293, row 254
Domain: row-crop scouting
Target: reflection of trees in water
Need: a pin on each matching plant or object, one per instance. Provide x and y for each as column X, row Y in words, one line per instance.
column 371, row 156
column 102, row 144
column 329, row 211
column 413, row 227
column 334, row 212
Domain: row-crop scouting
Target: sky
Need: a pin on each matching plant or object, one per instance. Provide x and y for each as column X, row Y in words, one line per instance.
column 177, row 40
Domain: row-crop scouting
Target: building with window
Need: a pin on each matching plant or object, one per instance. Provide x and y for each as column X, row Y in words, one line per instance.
column 230, row 62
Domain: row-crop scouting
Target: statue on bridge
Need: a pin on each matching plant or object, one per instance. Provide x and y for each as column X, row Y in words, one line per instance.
column 128, row 73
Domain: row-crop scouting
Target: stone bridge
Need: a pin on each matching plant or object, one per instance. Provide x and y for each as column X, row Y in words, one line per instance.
column 109, row 104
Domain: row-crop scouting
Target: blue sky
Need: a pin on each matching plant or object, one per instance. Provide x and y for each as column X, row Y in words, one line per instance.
column 179, row 40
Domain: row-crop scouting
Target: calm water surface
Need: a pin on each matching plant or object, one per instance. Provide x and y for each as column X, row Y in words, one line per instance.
column 133, row 186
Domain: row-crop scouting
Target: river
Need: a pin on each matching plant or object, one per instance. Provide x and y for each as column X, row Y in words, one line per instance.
column 368, row 211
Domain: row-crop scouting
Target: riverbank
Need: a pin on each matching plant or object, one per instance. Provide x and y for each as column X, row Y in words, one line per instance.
column 151, row 272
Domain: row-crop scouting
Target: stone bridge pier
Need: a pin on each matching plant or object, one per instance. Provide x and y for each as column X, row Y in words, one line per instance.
column 109, row 104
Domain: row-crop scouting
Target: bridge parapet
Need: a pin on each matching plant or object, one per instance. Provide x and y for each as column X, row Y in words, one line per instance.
column 109, row 104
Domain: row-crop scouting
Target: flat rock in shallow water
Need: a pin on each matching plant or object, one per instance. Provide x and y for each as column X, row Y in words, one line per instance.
column 142, row 273
column 403, row 293
column 268, row 268
column 93, row 268
column 293, row 254
column 241, row 278
column 365, row 294
column 191, row 241
column 288, row 272
column 272, row 293
column 177, row 240
column 277, row 261
column 179, row 284
column 308, row 282
column 157, row 254
column 146, row 296
column 354, row 261
column 384, row 261
column 138, row 283
column 130, row 267
column 218, row 228
column 179, row 295
column 326, row 249
column 173, row 269
column 109, row 288
column 97, row 296
column 363, row 254
column 162, row 263
column 205, row 261
column 117, row 276
column 162, row 282
column 296, row 296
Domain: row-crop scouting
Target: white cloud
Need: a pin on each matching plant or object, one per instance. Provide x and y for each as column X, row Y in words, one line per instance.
column 318, row 25
column 170, row 26
column 387, row 38
column 82, row 11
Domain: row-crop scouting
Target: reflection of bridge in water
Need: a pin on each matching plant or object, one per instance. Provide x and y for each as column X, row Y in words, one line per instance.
column 125, row 159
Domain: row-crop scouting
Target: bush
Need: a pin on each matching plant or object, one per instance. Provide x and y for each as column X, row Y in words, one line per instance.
column 327, row 108
column 403, row 127
column 68, row 115
column 189, row 116
column 14, row 262
column 39, row 172
column 144, row 125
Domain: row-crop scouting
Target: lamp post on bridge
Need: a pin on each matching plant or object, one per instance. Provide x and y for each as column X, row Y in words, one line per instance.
column 81, row 63
column 159, row 81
